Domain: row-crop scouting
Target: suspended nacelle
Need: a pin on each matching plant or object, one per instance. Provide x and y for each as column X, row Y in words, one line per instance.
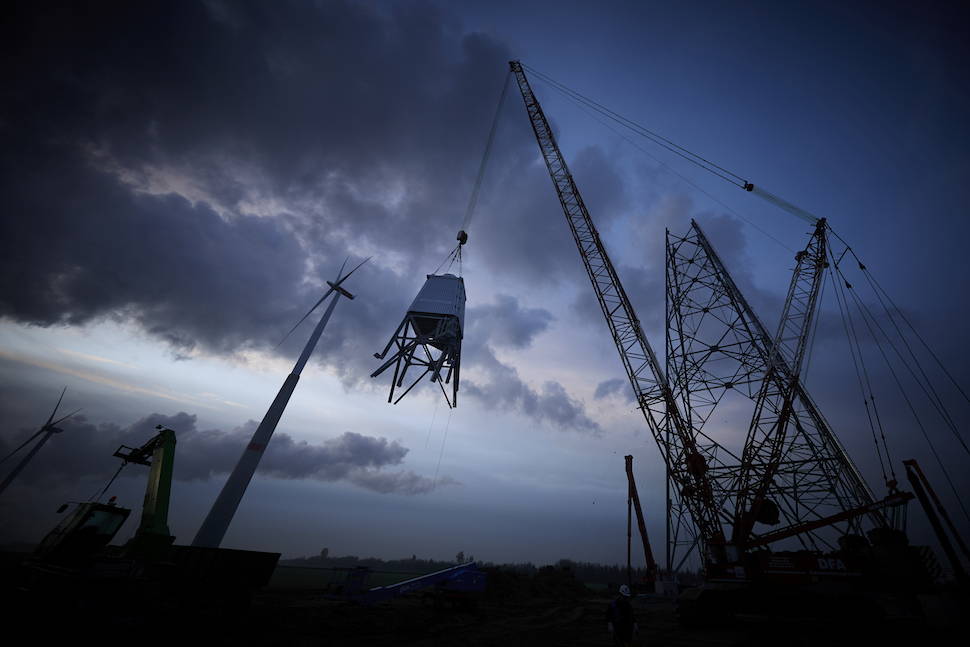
column 429, row 337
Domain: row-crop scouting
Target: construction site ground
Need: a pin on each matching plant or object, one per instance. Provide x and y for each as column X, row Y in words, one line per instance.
column 304, row 618
column 550, row 608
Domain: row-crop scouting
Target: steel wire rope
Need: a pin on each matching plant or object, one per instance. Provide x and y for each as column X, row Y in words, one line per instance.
column 673, row 171
column 865, row 371
column 663, row 142
column 927, row 389
column 932, row 394
column 872, row 395
column 437, row 403
column 456, row 253
column 919, row 364
column 473, row 199
column 659, row 139
column 444, row 439
column 877, row 287
column 852, row 340
column 100, row 494
column 450, row 257
column 919, row 421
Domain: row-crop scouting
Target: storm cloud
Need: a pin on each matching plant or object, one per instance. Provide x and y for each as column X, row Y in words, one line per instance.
column 81, row 450
column 506, row 390
column 215, row 162
column 506, row 323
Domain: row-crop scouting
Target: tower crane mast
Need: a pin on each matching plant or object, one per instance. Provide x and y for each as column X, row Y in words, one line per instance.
column 687, row 466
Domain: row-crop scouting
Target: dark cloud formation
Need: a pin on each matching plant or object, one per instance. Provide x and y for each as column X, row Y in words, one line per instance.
column 200, row 168
column 84, row 450
column 616, row 386
column 505, row 389
column 505, row 323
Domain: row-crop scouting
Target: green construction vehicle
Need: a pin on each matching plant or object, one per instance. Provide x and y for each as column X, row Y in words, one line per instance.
column 76, row 566
column 86, row 532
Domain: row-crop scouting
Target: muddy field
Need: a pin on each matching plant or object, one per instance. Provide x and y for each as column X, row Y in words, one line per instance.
column 550, row 608
column 303, row 619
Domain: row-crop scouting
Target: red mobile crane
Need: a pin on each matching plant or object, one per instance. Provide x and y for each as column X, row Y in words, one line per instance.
column 633, row 502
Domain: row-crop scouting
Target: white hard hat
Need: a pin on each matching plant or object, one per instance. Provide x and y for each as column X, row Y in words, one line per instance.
column 624, row 590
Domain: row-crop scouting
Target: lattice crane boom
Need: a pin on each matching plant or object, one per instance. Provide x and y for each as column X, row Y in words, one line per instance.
column 851, row 475
column 717, row 348
column 686, row 465
column 764, row 446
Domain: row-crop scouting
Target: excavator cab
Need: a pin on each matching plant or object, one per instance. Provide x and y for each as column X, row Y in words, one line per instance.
column 85, row 532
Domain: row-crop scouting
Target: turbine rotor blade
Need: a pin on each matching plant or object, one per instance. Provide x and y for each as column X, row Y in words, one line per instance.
column 54, row 412
column 303, row 318
column 336, row 284
column 60, row 420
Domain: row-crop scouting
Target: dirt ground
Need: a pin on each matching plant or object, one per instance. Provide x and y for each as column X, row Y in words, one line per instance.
column 303, row 619
column 550, row 608
column 306, row 618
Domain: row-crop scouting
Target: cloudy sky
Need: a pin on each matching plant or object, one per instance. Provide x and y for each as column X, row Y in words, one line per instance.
column 180, row 178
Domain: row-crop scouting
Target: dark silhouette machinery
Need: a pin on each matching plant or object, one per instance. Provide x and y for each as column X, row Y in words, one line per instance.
column 633, row 503
column 76, row 564
column 788, row 506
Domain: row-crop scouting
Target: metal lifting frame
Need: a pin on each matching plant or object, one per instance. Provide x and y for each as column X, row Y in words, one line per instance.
column 687, row 466
column 409, row 343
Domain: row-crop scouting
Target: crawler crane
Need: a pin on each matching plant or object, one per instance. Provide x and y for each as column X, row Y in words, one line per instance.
column 793, row 480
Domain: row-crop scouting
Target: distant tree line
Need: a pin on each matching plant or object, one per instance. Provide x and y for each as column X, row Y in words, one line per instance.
column 587, row 572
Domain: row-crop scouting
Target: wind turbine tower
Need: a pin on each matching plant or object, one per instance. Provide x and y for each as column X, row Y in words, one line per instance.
column 217, row 522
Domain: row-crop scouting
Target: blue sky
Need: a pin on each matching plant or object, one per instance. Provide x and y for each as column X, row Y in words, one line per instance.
column 177, row 199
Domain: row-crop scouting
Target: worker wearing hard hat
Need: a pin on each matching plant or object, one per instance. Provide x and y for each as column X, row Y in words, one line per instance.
column 619, row 619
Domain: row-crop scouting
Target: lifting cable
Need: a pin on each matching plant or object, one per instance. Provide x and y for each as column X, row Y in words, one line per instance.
column 427, row 440
column 928, row 392
column 858, row 362
column 871, row 323
column 880, row 293
column 699, row 161
column 473, row 200
column 455, row 254
column 879, row 345
column 925, row 384
column 674, row 171
column 658, row 139
column 100, row 494
column 441, row 453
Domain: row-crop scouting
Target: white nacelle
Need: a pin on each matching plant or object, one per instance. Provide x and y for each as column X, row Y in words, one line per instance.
column 441, row 295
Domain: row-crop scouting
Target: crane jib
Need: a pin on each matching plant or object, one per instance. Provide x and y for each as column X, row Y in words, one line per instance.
column 687, row 465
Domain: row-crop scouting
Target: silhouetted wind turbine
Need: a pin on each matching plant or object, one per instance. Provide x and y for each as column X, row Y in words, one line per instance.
column 46, row 431
column 217, row 522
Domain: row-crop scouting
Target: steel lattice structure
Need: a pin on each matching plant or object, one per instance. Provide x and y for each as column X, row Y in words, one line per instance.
column 684, row 457
column 716, row 346
column 790, row 462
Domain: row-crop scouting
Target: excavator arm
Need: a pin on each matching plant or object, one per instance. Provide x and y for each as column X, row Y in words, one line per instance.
column 159, row 454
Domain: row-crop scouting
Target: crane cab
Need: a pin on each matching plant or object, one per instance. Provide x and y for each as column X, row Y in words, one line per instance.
column 85, row 532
